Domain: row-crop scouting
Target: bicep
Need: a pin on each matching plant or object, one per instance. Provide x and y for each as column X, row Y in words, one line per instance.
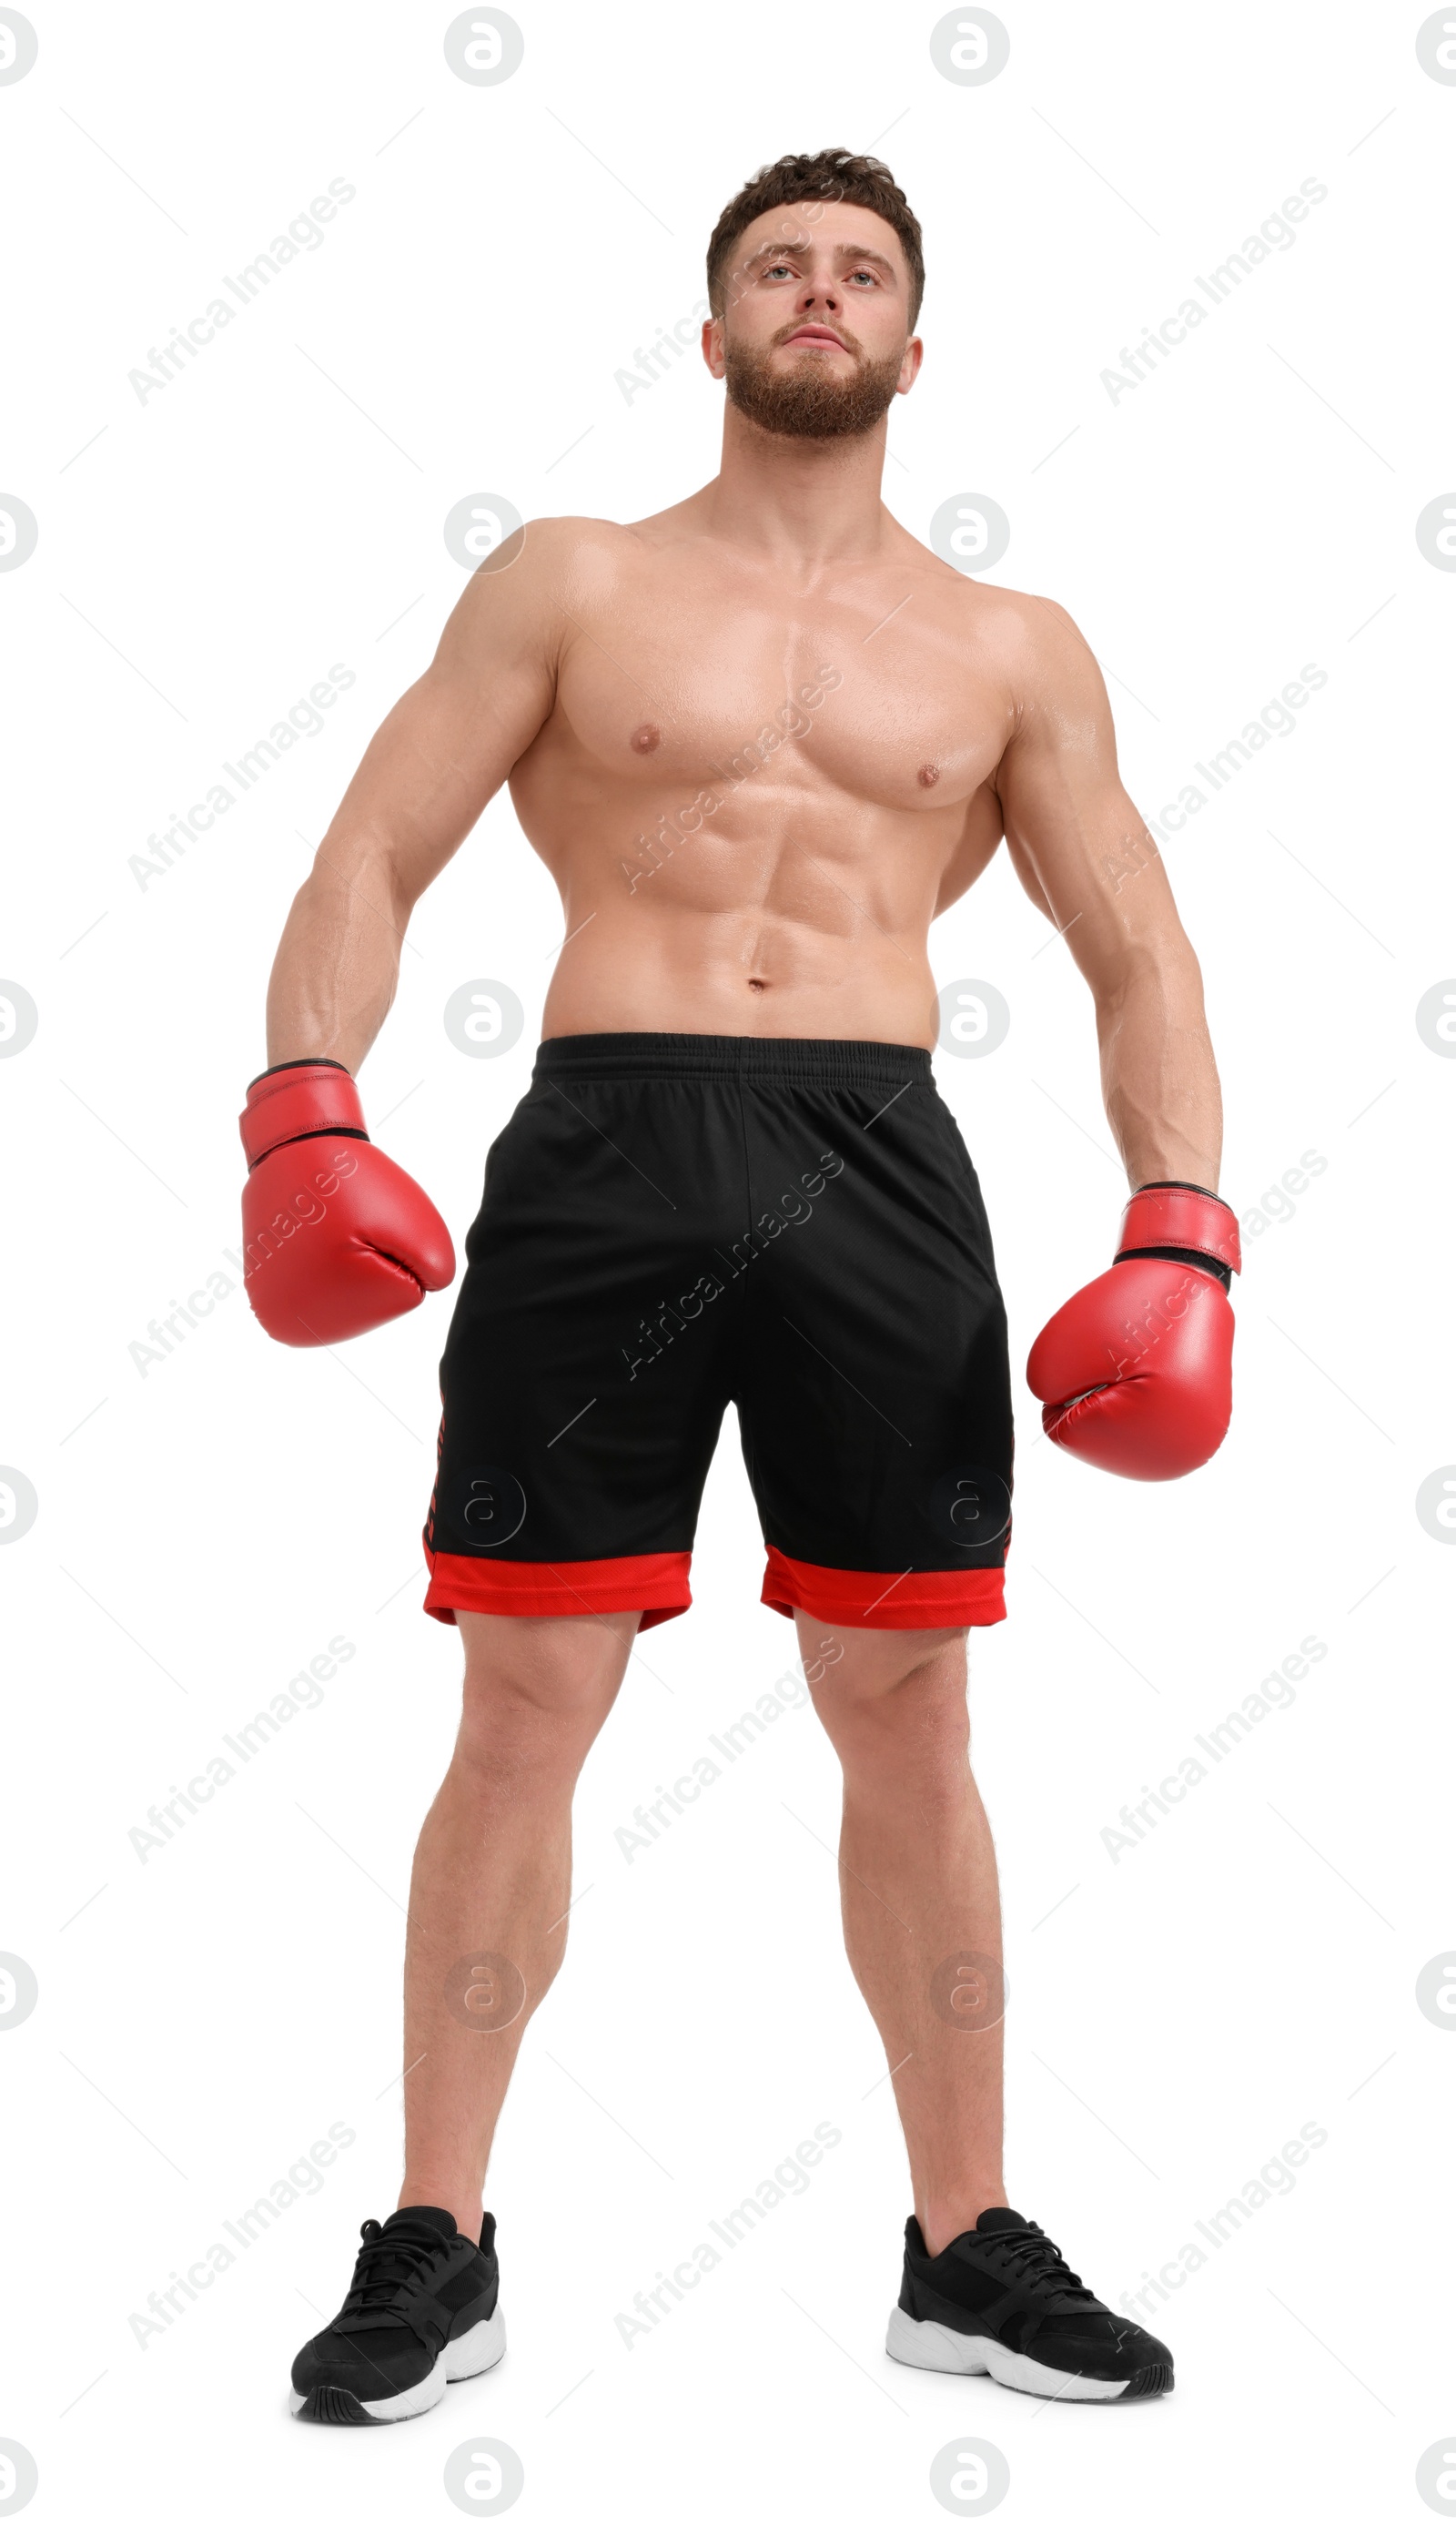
column 1074, row 834
column 444, row 750
column 1030, row 882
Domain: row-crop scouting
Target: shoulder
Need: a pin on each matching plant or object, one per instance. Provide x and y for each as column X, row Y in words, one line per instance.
column 1031, row 637
column 527, row 586
column 1046, row 662
column 1026, row 628
column 566, row 537
column 553, row 550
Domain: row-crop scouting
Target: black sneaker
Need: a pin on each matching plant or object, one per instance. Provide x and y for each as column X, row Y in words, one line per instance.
column 421, row 2311
column 1000, row 2301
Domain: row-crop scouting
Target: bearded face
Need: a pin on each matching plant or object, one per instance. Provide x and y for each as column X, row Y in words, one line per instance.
column 813, row 394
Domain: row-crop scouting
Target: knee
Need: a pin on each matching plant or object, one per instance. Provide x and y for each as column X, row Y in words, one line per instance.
column 910, row 1715
column 534, row 1699
column 510, row 1748
column 926, row 1735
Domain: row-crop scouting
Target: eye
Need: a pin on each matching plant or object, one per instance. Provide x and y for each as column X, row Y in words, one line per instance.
column 863, row 275
column 776, row 267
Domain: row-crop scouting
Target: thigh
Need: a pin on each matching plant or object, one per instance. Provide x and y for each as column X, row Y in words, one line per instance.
column 584, row 1377
column 875, row 1395
column 850, row 1667
column 547, row 1681
column 566, row 1664
column 893, row 1704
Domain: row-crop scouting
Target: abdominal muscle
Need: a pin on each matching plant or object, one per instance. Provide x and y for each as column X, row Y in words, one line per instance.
column 736, row 973
column 751, row 929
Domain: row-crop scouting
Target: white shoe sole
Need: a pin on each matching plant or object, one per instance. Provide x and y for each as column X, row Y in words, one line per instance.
column 962, row 2353
column 482, row 2347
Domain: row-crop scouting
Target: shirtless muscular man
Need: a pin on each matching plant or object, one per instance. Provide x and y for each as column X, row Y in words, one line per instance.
column 759, row 740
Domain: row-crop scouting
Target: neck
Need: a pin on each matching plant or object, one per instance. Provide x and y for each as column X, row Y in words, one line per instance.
column 800, row 502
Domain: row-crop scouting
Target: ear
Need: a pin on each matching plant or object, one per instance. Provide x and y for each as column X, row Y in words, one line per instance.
column 713, row 346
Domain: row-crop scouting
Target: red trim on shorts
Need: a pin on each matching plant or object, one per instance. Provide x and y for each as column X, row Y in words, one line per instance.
column 881, row 1600
column 652, row 1583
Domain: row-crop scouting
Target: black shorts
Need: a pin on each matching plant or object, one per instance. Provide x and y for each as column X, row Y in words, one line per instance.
column 675, row 1223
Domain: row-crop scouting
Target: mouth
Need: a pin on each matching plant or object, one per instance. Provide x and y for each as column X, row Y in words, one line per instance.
column 816, row 337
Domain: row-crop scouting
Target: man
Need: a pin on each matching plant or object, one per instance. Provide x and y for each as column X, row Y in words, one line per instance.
column 759, row 740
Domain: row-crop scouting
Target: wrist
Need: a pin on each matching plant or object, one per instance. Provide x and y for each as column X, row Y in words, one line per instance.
column 298, row 1099
column 1181, row 1221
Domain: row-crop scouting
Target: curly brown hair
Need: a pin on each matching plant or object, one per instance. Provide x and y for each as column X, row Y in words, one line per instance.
column 831, row 175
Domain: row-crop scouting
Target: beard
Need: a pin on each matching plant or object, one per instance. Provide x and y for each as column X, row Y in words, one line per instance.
column 808, row 400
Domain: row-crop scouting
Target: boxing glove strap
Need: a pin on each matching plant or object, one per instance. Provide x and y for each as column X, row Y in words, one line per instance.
column 298, row 1100
column 1183, row 1217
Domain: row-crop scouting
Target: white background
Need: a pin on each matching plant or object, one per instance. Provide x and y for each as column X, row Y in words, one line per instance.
column 205, row 1528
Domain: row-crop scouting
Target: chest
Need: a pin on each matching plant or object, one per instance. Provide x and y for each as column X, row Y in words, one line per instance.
column 686, row 686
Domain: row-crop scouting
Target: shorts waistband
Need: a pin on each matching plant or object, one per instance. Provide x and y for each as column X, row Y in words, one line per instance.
column 804, row 1060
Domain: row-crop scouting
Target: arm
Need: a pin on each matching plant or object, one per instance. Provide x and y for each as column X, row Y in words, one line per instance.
column 440, row 756
column 1088, row 860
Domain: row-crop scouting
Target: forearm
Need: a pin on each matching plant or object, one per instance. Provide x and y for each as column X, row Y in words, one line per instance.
column 337, row 965
column 1159, row 1083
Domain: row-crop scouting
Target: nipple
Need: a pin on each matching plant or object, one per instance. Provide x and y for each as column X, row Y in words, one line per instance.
column 928, row 774
column 647, row 738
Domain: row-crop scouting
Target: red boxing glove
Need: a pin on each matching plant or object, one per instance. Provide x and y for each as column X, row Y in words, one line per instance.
column 1135, row 1372
column 336, row 1237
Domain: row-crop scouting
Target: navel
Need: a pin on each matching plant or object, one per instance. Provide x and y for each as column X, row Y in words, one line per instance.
column 647, row 738
column 928, row 774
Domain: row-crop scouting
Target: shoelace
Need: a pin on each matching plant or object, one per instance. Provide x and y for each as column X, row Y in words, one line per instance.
column 1035, row 2257
column 375, row 2287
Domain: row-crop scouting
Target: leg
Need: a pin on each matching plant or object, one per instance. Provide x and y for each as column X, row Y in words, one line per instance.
column 918, row 1886
column 492, row 1874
